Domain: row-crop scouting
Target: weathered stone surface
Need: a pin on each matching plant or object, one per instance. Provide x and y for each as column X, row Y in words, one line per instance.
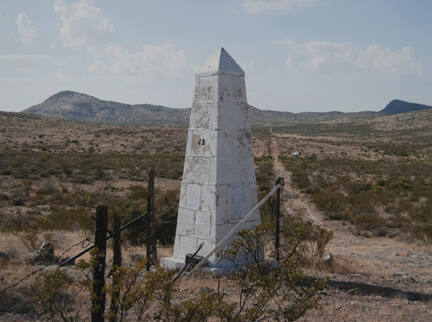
column 219, row 184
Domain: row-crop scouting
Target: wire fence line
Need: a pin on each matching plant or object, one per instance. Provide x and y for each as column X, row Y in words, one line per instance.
column 196, row 267
column 107, row 237
column 64, row 262
column 235, row 228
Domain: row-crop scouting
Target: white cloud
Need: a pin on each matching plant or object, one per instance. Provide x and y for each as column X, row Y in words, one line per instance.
column 26, row 29
column 336, row 57
column 258, row 6
column 82, row 24
column 148, row 62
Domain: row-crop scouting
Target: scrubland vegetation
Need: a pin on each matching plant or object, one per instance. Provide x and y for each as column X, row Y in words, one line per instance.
column 54, row 173
column 376, row 196
column 258, row 289
column 380, row 181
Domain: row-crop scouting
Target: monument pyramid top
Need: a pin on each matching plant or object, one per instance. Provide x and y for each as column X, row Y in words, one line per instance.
column 220, row 61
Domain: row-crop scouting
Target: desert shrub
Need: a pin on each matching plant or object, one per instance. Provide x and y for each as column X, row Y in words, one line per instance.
column 87, row 167
column 137, row 193
column 17, row 303
column 166, row 213
column 166, row 204
column 347, row 189
column 371, row 222
column 57, row 295
column 268, row 292
column 25, row 228
column 18, row 201
column 329, row 201
column 265, row 181
column 68, row 219
column 264, row 291
column 349, row 129
column 146, row 296
column 135, row 235
column 305, row 237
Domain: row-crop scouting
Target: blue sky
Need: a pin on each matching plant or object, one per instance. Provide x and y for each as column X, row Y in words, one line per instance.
column 299, row 55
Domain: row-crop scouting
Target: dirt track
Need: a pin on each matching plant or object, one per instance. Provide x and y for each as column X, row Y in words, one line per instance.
column 379, row 261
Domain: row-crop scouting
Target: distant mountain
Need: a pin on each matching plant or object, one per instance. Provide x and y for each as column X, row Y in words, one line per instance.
column 398, row 106
column 77, row 106
column 420, row 120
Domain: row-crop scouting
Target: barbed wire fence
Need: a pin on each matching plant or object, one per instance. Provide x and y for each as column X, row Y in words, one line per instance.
column 222, row 245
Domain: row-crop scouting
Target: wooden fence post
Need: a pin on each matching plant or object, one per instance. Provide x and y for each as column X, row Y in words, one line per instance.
column 98, row 294
column 117, row 262
column 150, row 233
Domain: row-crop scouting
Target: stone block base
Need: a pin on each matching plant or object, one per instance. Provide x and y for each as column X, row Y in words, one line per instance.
column 172, row 263
column 178, row 263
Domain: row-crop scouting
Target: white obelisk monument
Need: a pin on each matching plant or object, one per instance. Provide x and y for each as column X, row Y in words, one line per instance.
column 219, row 184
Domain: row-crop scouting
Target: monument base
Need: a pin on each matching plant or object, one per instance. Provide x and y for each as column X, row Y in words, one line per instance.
column 174, row 263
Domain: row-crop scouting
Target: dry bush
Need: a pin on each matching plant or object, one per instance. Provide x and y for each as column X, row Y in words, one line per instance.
column 263, row 290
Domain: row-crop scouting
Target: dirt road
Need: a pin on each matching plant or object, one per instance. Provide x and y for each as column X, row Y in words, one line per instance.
column 373, row 260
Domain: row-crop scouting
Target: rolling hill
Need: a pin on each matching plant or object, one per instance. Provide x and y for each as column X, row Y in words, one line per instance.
column 77, row 106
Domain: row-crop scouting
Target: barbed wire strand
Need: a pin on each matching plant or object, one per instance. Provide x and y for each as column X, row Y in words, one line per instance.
column 234, row 229
column 163, row 222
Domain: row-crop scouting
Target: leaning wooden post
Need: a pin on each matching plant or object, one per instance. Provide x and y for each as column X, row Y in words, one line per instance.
column 150, row 233
column 98, row 294
column 117, row 262
column 279, row 181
